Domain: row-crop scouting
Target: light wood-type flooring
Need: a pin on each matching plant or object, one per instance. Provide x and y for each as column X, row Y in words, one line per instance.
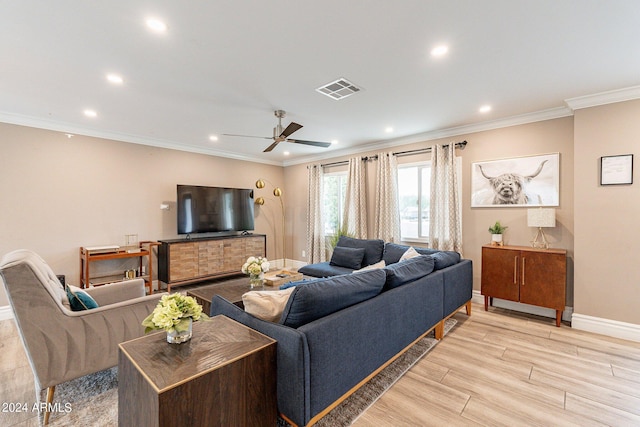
column 496, row 368
column 502, row 368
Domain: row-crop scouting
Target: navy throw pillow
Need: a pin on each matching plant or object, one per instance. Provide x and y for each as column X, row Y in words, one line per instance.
column 323, row 297
column 347, row 257
column 408, row 270
column 373, row 248
column 80, row 300
column 445, row 259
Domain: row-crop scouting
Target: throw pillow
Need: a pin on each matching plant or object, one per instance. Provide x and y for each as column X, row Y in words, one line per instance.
column 375, row 266
column 318, row 299
column 393, row 252
column 266, row 305
column 347, row 257
column 445, row 259
column 373, row 248
column 80, row 300
column 408, row 270
column 410, row 253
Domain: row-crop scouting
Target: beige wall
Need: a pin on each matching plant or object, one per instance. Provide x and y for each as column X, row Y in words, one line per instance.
column 537, row 138
column 606, row 217
column 59, row 194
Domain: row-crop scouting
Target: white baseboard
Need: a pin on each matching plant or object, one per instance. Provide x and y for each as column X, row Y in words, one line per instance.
column 524, row 308
column 5, row 312
column 612, row 328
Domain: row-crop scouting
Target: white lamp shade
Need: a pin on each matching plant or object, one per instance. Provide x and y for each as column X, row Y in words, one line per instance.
column 541, row 217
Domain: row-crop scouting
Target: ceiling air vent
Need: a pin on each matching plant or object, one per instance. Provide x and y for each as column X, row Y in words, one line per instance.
column 339, row 89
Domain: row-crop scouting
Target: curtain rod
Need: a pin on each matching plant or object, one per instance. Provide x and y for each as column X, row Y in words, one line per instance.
column 459, row 145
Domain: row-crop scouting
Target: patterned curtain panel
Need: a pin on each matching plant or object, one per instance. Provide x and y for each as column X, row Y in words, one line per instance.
column 445, row 222
column 355, row 203
column 387, row 221
column 315, row 226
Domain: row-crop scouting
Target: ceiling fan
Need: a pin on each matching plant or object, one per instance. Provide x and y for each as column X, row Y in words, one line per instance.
column 280, row 135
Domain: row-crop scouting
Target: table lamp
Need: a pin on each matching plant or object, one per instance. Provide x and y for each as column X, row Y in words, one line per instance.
column 541, row 218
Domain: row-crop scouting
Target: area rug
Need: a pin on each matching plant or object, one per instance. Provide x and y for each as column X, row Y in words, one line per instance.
column 93, row 399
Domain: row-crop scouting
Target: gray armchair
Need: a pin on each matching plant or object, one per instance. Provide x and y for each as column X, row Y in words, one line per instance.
column 62, row 344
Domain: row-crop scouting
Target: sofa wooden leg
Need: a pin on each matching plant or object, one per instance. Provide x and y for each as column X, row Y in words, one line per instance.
column 468, row 307
column 439, row 331
column 50, row 391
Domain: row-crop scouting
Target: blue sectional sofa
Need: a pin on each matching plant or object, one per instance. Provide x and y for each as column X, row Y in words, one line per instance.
column 338, row 331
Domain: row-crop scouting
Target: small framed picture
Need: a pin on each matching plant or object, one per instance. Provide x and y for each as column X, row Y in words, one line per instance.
column 616, row 170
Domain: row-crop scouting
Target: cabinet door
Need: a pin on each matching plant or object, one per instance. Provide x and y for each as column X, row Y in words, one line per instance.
column 254, row 246
column 543, row 279
column 183, row 261
column 500, row 273
column 234, row 255
column 210, row 257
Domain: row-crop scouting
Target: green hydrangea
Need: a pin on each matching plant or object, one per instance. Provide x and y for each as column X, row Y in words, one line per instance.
column 173, row 313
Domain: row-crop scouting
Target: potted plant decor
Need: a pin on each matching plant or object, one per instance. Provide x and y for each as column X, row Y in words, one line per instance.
column 175, row 313
column 496, row 231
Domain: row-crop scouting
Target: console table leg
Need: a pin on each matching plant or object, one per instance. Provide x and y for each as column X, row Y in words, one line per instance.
column 486, row 303
column 558, row 317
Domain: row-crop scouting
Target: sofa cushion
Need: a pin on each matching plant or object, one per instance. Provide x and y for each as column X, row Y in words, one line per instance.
column 323, row 269
column 380, row 264
column 347, row 257
column 322, row 297
column 408, row 270
column 80, row 300
column 373, row 248
column 444, row 259
column 266, row 305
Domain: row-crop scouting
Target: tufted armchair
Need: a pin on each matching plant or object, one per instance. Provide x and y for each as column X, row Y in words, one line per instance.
column 62, row 344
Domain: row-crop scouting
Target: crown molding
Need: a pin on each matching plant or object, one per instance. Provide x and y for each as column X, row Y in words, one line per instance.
column 18, row 119
column 603, row 98
column 538, row 116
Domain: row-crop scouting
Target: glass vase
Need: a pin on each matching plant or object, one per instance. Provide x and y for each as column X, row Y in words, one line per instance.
column 176, row 337
column 256, row 280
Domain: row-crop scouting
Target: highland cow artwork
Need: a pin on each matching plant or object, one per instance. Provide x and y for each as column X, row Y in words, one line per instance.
column 516, row 182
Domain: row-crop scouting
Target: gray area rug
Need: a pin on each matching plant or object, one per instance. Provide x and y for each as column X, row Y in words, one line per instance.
column 93, row 399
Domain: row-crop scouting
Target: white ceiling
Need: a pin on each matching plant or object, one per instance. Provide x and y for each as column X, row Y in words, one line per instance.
column 225, row 66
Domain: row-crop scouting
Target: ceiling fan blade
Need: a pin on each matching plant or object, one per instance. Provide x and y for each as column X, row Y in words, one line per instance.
column 271, row 147
column 293, row 126
column 248, row 136
column 314, row 143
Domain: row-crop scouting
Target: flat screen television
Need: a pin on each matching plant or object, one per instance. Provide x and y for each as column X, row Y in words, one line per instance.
column 214, row 209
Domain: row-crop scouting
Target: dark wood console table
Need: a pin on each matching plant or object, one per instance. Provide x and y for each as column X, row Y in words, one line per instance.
column 224, row 376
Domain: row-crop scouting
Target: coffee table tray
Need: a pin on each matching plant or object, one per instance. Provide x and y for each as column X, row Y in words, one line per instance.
column 271, row 278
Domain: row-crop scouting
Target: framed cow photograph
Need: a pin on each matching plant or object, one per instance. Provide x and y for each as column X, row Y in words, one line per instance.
column 516, row 182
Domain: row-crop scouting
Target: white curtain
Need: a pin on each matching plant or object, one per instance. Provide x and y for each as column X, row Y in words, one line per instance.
column 315, row 226
column 354, row 220
column 445, row 222
column 387, row 221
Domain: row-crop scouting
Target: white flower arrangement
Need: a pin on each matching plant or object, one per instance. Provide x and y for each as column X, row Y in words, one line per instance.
column 255, row 265
column 173, row 313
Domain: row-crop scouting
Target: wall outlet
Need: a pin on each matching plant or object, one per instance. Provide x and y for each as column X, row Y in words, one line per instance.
column 304, row 254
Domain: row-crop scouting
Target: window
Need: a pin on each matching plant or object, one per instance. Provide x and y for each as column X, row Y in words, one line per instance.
column 414, row 199
column 335, row 185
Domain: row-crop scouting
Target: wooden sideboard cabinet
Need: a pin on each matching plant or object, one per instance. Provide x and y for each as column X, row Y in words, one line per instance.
column 188, row 261
column 527, row 275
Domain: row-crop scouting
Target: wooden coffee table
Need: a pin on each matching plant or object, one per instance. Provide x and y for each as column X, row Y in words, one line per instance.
column 229, row 289
column 224, row 376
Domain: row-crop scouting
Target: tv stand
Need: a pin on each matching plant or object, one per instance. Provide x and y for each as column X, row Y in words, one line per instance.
column 195, row 259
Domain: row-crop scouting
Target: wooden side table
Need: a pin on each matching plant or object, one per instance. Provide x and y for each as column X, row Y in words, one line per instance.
column 224, row 376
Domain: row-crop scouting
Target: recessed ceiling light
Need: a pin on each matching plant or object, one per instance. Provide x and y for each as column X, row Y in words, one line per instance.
column 485, row 108
column 286, row 153
column 213, row 137
column 335, row 142
column 90, row 113
column 115, row 79
column 439, row 50
column 388, row 129
column 69, row 135
column 156, row 25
